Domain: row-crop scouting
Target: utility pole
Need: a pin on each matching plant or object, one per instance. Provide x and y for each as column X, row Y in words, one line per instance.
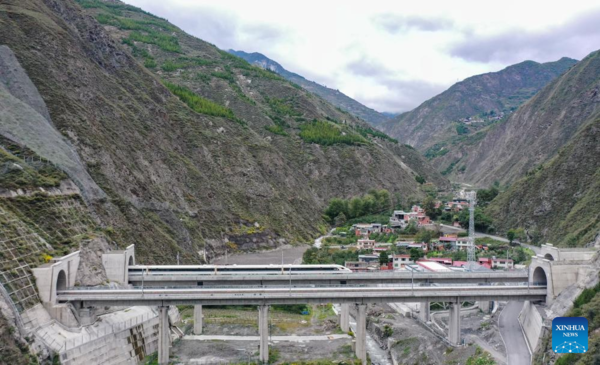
column 472, row 197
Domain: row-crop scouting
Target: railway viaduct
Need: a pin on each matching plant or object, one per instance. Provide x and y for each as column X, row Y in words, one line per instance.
column 57, row 290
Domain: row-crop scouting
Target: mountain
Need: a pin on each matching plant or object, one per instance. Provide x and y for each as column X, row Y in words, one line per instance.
column 553, row 143
column 469, row 106
column 539, row 129
column 335, row 97
column 560, row 201
column 190, row 148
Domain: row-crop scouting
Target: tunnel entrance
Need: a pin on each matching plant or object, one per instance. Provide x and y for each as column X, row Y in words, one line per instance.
column 130, row 260
column 61, row 281
column 539, row 276
column 549, row 257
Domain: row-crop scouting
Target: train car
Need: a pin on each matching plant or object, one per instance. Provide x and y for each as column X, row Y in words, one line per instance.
column 237, row 269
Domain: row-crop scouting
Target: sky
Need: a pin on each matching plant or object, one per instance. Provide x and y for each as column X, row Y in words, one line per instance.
column 391, row 55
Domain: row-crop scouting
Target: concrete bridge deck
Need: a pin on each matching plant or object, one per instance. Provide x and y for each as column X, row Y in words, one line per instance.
column 90, row 297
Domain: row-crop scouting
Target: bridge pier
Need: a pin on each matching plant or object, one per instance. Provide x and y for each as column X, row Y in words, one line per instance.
column 454, row 323
column 345, row 318
column 164, row 336
column 361, row 333
column 263, row 329
column 198, row 320
column 424, row 311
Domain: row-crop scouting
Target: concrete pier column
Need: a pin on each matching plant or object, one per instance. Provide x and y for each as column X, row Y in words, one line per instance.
column 263, row 330
column 484, row 305
column 345, row 317
column 361, row 333
column 164, row 336
column 454, row 323
column 424, row 311
column 198, row 319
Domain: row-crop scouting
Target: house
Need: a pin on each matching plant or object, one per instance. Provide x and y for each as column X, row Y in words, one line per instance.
column 365, row 229
column 409, row 245
column 502, row 263
column 400, row 261
column 401, row 218
column 456, row 224
column 459, row 263
column 365, row 244
column 380, row 249
column 369, row 259
column 485, row 262
column 357, row 266
column 458, row 243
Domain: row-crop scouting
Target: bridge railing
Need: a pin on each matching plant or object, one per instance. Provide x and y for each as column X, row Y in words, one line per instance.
column 305, row 286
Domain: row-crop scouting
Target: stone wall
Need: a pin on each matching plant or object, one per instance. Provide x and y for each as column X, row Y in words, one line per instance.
column 532, row 322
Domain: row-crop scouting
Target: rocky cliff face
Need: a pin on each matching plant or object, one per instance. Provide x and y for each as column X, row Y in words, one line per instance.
column 335, row 97
column 445, row 126
column 182, row 173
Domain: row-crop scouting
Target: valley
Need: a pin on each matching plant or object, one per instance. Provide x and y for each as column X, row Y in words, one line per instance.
column 169, row 195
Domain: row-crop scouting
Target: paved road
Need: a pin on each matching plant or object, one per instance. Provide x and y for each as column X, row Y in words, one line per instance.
column 291, row 338
column 510, row 330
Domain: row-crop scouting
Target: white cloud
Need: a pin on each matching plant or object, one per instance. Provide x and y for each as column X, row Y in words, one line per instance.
column 391, row 56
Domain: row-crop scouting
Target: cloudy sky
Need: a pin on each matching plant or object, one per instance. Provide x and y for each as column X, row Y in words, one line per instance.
column 391, row 56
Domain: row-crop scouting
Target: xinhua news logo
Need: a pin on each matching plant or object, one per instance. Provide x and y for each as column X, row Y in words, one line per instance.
column 570, row 335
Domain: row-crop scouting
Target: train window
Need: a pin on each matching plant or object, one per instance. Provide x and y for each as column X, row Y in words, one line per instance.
column 200, row 283
column 342, row 282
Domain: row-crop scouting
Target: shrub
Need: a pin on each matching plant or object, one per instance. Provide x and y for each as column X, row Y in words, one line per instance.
column 201, row 105
column 276, row 129
column 326, row 133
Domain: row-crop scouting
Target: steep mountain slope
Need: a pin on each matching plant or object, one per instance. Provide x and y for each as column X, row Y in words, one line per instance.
column 196, row 149
column 335, row 97
column 559, row 202
column 538, row 129
column 481, row 99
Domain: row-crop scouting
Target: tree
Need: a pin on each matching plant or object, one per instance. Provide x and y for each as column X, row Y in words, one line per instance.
column 424, row 235
column 340, row 220
column 355, row 208
column 420, row 179
column 510, row 235
column 415, row 254
column 335, row 208
column 384, row 258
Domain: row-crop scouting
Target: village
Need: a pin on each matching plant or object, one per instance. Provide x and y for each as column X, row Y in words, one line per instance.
column 412, row 241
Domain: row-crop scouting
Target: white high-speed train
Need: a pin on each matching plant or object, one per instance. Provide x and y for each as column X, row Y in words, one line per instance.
column 236, row 269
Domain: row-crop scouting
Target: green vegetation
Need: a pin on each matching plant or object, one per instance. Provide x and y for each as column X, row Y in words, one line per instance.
column 113, row 8
column 483, row 223
column 388, row 331
column 16, row 173
column 163, row 41
column 327, row 133
column 276, row 129
column 201, row 105
column 485, row 196
column 420, row 179
column 132, row 24
column 366, row 132
column 480, row 358
column 376, row 201
column 461, row 129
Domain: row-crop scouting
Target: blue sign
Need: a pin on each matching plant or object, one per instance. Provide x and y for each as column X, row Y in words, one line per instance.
column 570, row 335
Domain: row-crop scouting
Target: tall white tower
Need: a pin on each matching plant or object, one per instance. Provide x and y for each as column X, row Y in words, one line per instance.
column 472, row 197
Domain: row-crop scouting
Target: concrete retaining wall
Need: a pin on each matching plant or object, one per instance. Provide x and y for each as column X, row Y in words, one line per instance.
column 532, row 323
